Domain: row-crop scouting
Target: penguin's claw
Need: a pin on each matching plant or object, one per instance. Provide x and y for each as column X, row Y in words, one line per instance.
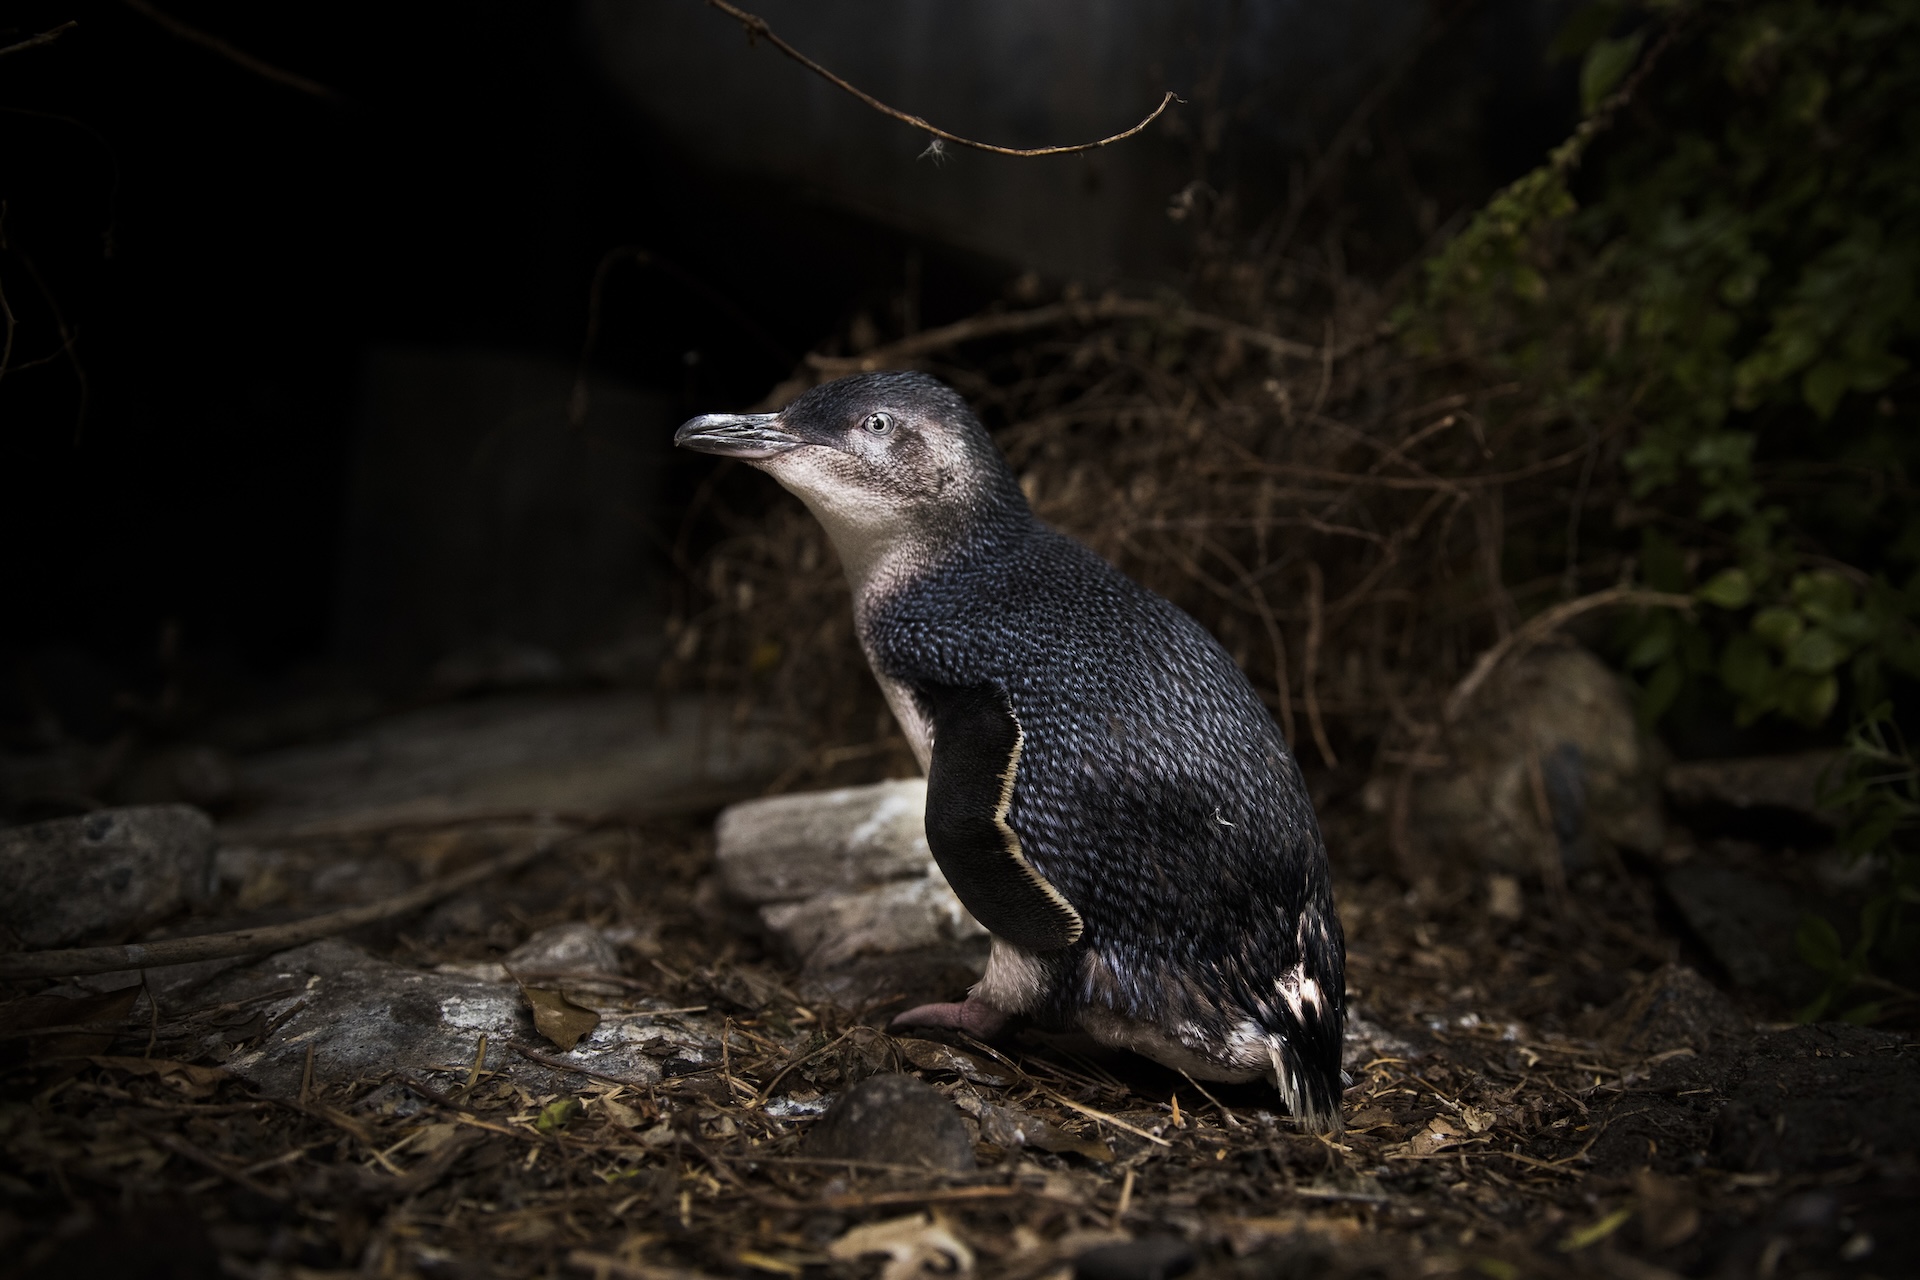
column 975, row 1017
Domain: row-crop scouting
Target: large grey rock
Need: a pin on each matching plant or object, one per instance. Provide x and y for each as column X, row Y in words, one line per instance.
column 893, row 1119
column 1547, row 758
column 832, row 928
column 837, row 875
column 785, row 848
column 1790, row 782
column 365, row 1018
column 108, row 874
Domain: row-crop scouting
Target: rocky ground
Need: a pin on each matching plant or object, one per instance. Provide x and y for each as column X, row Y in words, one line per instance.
column 636, row 1057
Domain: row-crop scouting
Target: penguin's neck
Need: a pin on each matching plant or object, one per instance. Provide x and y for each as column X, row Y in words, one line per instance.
column 879, row 557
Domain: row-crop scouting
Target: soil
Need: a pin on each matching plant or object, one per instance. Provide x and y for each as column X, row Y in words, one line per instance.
column 1556, row 1094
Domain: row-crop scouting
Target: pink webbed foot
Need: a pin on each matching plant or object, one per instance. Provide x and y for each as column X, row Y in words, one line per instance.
column 975, row 1017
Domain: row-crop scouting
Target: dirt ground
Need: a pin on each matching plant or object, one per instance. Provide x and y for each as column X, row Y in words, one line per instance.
column 1534, row 1096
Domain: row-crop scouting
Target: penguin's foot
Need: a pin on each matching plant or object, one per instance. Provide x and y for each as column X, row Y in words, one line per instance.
column 974, row 1016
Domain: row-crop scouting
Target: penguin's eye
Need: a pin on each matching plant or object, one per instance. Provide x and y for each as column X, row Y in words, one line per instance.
column 879, row 424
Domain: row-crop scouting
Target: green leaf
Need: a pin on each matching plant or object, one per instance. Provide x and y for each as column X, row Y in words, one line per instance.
column 1653, row 646
column 1607, row 64
column 1777, row 626
column 1729, row 589
column 1808, row 698
column 1823, row 385
column 1816, row 650
column 558, row 1114
column 1661, row 690
column 1818, row 943
column 1746, row 669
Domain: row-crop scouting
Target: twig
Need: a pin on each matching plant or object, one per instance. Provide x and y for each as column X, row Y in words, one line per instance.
column 187, row 1151
column 45, row 37
column 757, row 28
column 239, row 57
column 1542, row 625
column 559, row 1065
column 1096, row 1114
column 1310, row 675
column 999, row 324
column 247, row 942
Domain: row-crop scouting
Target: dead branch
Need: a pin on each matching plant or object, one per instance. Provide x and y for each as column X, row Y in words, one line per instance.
column 248, row 942
column 898, row 354
column 1542, row 625
column 239, row 57
column 757, row 28
column 45, row 37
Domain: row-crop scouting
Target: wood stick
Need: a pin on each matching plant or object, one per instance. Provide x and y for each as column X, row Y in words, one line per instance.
column 757, row 28
column 248, row 942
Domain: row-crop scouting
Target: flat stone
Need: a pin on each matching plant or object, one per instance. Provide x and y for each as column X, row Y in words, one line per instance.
column 1789, row 782
column 786, row 848
column 893, row 1119
column 365, row 1018
column 106, row 875
column 1148, row 1258
column 833, row 928
column 577, row 754
column 575, row 947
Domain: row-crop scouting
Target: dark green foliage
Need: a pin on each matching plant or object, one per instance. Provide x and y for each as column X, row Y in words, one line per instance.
column 1720, row 273
column 1732, row 286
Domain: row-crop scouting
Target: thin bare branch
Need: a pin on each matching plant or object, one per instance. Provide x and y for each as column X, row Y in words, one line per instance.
column 239, row 57
column 248, row 942
column 757, row 28
column 45, row 37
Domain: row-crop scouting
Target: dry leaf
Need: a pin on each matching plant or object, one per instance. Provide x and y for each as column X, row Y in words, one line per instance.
column 931, row 1055
column 1438, row 1134
column 1478, row 1121
column 915, row 1245
column 622, row 1114
column 558, row 1018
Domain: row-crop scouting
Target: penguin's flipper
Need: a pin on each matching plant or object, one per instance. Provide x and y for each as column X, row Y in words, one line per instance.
column 976, row 749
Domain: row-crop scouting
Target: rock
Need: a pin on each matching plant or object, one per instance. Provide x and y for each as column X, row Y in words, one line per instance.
column 106, row 875
column 893, row 1119
column 1546, row 759
column 833, row 928
column 365, row 1018
column 838, row 875
column 785, row 848
column 1747, row 924
column 1673, row 1009
column 1148, row 1258
column 1755, row 782
column 582, row 754
column 570, row 948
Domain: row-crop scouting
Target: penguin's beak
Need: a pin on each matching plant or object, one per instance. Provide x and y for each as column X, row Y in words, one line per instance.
column 737, row 435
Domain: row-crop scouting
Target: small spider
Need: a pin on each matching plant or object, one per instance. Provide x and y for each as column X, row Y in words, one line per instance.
column 936, row 151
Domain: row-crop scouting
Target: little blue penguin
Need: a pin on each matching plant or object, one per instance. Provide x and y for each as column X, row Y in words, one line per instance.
column 1106, row 793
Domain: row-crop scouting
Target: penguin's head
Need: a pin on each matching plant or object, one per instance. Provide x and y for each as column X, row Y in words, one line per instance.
column 877, row 457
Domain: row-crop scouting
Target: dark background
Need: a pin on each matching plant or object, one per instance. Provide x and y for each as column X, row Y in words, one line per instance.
column 222, row 252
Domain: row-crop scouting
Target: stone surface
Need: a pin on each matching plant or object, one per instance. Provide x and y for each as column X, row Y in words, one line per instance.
column 1670, row 1010
column 785, row 848
column 833, row 928
column 1747, row 924
column 104, row 876
column 840, row 875
column 1789, row 782
column 574, row 947
column 578, row 754
column 1148, row 1258
column 365, row 1018
column 893, row 1119
column 1546, row 759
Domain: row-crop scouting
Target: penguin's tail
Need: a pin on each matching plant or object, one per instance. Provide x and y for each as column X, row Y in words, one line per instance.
column 1310, row 1089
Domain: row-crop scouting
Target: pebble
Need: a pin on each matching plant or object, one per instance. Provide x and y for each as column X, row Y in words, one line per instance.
column 893, row 1119
column 570, row 948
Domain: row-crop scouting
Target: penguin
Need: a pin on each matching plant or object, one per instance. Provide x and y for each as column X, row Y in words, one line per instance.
column 1106, row 793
